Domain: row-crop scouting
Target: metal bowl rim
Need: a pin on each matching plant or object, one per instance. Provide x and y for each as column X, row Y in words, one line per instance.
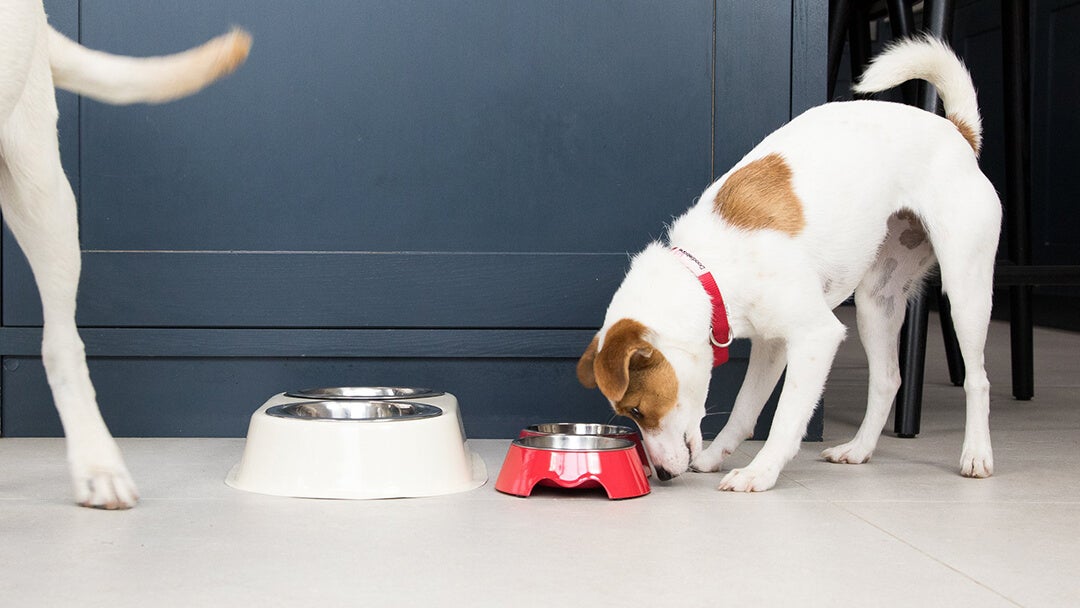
column 426, row 410
column 622, row 430
column 313, row 393
column 615, row 444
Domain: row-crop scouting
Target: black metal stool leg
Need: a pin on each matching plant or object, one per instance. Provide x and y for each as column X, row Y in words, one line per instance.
column 839, row 18
column 1016, row 50
column 912, row 364
column 858, row 40
column 952, row 348
column 937, row 20
column 1022, row 340
column 903, row 23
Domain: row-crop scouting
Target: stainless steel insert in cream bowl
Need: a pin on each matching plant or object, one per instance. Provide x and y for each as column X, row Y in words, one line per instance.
column 358, row 442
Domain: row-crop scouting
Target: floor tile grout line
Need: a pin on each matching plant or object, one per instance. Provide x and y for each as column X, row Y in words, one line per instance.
column 840, row 505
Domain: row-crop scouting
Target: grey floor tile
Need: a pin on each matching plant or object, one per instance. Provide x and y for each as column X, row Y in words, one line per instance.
column 1027, row 552
column 492, row 552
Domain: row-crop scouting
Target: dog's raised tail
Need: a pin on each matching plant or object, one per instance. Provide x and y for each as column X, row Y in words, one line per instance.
column 929, row 59
column 122, row 80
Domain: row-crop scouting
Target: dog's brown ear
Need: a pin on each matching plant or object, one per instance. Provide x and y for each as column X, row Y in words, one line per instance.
column 585, row 374
column 624, row 341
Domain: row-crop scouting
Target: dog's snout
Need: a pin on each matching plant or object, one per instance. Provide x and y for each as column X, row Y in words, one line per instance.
column 663, row 474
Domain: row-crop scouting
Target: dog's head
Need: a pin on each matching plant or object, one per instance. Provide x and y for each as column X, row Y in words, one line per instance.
column 655, row 372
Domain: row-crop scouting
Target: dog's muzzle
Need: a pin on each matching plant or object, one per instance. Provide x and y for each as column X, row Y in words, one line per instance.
column 662, row 474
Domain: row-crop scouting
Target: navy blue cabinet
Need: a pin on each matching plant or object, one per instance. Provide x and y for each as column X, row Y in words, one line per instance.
column 432, row 193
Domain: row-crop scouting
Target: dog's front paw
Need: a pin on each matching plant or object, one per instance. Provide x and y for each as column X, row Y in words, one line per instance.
column 709, row 461
column 851, row 452
column 748, row 480
column 977, row 463
column 104, row 488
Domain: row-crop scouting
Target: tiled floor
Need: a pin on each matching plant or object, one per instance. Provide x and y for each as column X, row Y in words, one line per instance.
column 903, row 530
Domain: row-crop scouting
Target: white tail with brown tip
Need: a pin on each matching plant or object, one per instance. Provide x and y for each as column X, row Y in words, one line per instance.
column 927, row 58
column 123, row 80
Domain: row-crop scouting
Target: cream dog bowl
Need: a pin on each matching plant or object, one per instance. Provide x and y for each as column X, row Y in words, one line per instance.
column 358, row 442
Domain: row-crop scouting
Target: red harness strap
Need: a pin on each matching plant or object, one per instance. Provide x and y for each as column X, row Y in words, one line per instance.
column 719, row 312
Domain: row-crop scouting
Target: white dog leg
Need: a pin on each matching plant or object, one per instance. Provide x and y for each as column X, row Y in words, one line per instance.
column 879, row 327
column 767, row 361
column 811, row 347
column 964, row 228
column 967, row 270
column 977, row 457
column 40, row 208
column 880, row 303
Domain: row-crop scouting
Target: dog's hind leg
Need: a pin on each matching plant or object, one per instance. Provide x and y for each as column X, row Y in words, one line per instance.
column 966, row 245
column 39, row 207
column 766, row 364
column 880, row 299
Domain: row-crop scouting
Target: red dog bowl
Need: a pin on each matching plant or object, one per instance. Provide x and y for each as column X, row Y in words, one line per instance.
column 573, row 461
column 582, row 428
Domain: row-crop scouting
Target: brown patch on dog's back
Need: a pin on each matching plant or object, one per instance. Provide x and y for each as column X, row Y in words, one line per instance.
column 760, row 196
column 973, row 138
column 632, row 373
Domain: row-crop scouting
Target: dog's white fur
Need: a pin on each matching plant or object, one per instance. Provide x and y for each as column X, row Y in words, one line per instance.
column 39, row 206
column 856, row 166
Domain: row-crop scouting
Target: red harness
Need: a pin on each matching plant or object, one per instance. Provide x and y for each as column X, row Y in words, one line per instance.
column 719, row 312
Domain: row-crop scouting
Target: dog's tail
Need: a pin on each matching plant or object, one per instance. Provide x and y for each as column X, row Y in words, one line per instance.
column 929, row 59
column 122, row 80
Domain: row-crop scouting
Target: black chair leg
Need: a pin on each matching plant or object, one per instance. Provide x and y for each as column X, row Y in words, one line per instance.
column 1016, row 50
column 839, row 18
column 1022, row 340
column 937, row 20
column 858, row 40
column 938, row 17
column 952, row 348
column 912, row 364
column 902, row 22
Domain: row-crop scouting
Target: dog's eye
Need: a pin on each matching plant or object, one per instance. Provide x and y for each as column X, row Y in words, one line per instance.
column 636, row 414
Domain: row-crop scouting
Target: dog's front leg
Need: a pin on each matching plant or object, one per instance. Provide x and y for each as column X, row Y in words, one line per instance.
column 39, row 207
column 809, row 357
column 767, row 360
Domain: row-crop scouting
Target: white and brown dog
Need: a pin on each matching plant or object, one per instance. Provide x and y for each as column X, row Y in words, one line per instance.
column 39, row 207
column 858, row 197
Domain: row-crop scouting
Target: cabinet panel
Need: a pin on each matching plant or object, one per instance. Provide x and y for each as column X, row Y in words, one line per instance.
column 466, row 126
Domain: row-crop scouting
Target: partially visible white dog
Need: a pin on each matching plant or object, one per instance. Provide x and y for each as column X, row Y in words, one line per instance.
column 857, row 197
column 39, row 206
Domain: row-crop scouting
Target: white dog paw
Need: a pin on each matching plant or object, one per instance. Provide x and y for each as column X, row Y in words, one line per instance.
column 105, row 489
column 709, row 461
column 977, row 463
column 851, row 452
column 748, row 480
